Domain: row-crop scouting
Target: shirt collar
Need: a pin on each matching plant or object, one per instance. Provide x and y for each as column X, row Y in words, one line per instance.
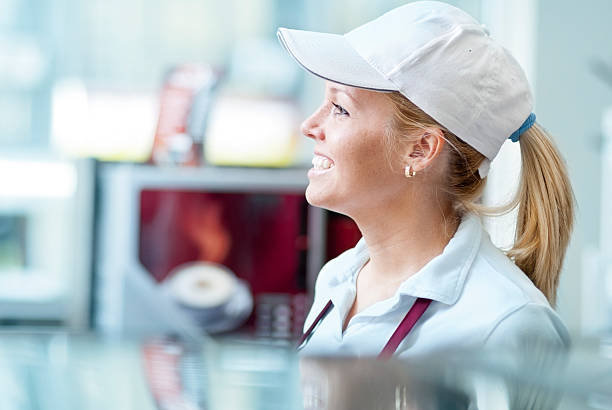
column 443, row 277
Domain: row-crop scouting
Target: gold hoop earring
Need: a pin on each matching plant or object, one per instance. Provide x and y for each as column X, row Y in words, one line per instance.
column 409, row 172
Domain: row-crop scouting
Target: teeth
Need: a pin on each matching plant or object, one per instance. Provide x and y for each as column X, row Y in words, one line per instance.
column 320, row 162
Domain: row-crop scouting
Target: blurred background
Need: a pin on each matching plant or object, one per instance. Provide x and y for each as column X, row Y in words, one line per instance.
column 138, row 136
column 152, row 179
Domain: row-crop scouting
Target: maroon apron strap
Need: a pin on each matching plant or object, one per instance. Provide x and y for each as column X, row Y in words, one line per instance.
column 414, row 314
column 320, row 317
column 405, row 326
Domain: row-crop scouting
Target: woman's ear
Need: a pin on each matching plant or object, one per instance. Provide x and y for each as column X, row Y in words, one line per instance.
column 423, row 150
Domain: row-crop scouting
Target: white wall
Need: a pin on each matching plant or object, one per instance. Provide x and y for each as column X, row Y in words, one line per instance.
column 569, row 102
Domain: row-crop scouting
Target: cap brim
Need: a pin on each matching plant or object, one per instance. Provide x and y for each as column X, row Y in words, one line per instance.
column 331, row 57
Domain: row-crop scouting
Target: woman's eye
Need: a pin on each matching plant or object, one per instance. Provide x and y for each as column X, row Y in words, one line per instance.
column 339, row 110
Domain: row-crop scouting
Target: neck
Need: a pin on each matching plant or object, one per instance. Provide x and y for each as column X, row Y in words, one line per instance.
column 402, row 238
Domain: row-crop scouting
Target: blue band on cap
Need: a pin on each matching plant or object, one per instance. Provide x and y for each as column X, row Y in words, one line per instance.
column 526, row 125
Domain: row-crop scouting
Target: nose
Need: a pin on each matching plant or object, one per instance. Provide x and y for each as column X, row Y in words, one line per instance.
column 311, row 127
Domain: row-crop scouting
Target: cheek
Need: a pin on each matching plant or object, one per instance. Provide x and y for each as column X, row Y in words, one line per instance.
column 365, row 176
column 368, row 157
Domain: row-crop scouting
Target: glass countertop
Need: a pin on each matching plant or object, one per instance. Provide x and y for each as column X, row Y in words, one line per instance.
column 54, row 370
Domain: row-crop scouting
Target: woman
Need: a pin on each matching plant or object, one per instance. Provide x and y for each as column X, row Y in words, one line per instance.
column 417, row 104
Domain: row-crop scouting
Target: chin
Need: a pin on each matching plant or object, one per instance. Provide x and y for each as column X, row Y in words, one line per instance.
column 316, row 198
column 321, row 200
column 312, row 198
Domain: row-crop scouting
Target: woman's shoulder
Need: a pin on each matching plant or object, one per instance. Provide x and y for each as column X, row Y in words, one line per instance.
column 498, row 272
column 519, row 310
column 529, row 325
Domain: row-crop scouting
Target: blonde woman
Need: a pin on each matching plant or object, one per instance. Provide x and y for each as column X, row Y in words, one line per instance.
column 417, row 104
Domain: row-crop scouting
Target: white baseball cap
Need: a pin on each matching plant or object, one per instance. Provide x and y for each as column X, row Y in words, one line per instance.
column 437, row 56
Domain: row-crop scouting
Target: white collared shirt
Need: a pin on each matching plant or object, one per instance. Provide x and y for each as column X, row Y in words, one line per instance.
column 480, row 299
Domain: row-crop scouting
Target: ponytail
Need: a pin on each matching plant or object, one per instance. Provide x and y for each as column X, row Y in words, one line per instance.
column 545, row 212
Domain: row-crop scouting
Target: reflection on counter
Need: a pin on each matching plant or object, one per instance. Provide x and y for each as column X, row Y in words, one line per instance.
column 68, row 371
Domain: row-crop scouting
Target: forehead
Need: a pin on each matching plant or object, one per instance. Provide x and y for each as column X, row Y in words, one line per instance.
column 335, row 88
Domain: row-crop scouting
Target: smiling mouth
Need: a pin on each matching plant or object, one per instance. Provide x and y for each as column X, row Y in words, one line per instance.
column 321, row 163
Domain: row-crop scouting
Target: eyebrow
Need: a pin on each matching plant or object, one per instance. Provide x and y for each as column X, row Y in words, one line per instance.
column 338, row 90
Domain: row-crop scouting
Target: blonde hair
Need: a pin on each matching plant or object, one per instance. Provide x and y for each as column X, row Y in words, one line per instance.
column 544, row 197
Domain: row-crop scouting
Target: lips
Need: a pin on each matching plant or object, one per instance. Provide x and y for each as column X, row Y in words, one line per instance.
column 322, row 162
column 320, row 154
